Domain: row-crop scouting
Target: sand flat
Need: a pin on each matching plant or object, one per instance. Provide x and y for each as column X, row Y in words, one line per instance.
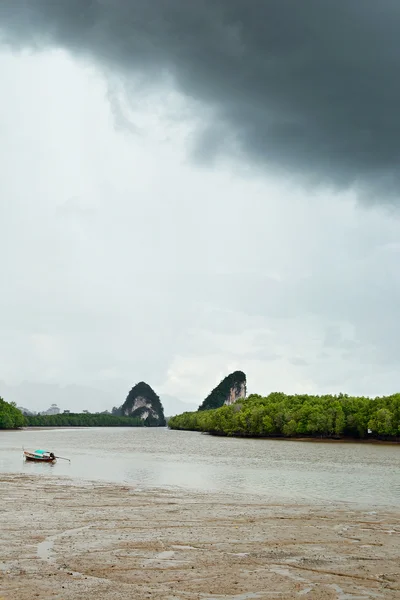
column 61, row 539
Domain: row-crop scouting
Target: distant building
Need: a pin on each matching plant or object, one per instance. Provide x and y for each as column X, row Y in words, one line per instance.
column 66, row 412
column 53, row 410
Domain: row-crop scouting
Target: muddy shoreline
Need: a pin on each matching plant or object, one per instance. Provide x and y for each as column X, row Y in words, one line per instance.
column 66, row 540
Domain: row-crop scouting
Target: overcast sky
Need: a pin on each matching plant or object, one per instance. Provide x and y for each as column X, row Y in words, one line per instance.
column 189, row 188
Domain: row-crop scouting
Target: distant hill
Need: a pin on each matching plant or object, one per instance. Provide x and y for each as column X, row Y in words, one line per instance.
column 228, row 391
column 142, row 402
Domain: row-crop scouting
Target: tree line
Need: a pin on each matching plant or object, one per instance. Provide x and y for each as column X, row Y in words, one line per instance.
column 281, row 415
column 12, row 418
column 82, row 420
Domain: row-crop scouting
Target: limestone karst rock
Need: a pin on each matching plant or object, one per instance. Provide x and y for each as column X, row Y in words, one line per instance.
column 228, row 391
column 143, row 402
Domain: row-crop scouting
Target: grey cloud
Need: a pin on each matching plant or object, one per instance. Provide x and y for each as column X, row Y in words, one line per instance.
column 121, row 121
column 75, row 208
column 263, row 354
column 333, row 336
column 298, row 362
column 309, row 87
column 126, row 263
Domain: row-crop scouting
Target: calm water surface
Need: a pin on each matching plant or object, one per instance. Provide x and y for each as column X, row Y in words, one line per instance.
column 363, row 474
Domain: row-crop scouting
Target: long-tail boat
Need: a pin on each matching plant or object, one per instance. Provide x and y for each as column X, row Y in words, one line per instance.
column 40, row 455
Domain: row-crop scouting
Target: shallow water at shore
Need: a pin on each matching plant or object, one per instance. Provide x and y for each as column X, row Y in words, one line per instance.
column 362, row 474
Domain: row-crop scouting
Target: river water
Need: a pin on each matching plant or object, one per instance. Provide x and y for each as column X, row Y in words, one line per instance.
column 272, row 470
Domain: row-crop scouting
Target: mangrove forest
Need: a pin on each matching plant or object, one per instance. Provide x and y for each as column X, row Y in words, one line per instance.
column 10, row 416
column 281, row 415
column 83, row 420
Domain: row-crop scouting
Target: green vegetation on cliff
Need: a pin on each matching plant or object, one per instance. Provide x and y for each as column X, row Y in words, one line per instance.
column 299, row 416
column 143, row 403
column 83, row 420
column 235, row 381
column 10, row 416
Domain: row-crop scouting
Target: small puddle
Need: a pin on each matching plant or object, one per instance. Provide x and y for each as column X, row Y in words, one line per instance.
column 44, row 550
column 287, row 573
column 245, row 596
column 165, row 555
column 167, row 559
column 306, row 591
column 343, row 596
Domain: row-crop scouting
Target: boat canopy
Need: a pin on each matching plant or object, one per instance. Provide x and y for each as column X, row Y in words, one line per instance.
column 41, row 452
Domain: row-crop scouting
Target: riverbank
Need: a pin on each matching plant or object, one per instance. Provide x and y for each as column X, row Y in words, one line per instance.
column 52, row 428
column 316, row 439
column 66, row 540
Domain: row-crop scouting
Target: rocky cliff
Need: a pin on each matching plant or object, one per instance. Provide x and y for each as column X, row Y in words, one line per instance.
column 236, row 392
column 228, row 391
column 143, row 402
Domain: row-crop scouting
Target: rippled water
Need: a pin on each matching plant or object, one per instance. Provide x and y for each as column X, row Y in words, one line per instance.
column 364, row 474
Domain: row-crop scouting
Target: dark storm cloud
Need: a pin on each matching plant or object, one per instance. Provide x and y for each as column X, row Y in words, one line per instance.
column 310, row 86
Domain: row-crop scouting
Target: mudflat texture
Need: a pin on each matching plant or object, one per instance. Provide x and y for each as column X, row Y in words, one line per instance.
column 65, row 540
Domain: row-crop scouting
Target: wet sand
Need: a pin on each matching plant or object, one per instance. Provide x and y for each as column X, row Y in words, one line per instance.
column 60, row 539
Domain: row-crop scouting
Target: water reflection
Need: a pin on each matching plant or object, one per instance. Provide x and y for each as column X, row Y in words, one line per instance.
column 31, row 466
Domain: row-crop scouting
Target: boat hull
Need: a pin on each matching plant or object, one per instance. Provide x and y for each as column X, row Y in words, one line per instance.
column 29, row 456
